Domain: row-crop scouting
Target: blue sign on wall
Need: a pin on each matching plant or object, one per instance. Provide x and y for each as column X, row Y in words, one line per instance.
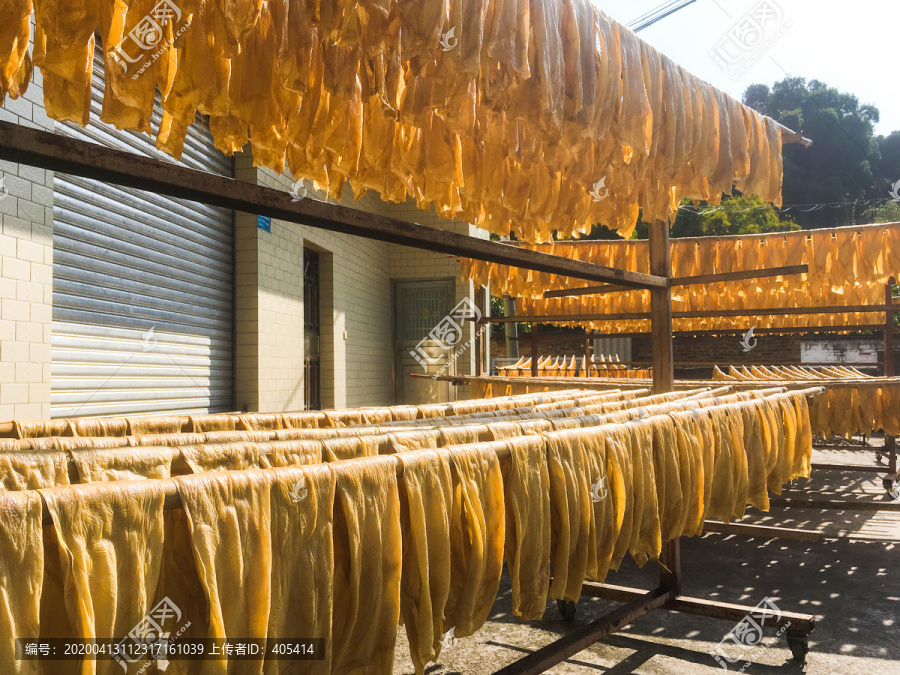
column 264, row 223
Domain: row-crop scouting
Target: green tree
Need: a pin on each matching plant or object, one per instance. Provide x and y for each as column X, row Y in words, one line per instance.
column 735, row 215
column 888, row 213
column 845, row 162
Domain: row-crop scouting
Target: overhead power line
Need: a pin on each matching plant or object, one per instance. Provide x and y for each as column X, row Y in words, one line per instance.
column 658, row 14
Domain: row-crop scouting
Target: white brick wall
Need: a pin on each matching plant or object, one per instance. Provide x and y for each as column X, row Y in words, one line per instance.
column 355, row 302
column 357, row 321
column 411, row 263
column 26, row 271
column 357, row 359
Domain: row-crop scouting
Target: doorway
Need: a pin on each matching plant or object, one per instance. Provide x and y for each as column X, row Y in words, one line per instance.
column 419, row 306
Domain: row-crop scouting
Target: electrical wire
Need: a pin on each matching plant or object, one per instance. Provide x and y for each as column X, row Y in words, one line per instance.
column 658, row 14
column 800, row 208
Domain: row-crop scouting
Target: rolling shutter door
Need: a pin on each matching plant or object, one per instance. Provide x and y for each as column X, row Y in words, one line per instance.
column 143, row 288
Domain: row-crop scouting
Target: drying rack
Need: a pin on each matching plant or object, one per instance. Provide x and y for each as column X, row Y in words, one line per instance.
column 885, row 326
column 49, row 151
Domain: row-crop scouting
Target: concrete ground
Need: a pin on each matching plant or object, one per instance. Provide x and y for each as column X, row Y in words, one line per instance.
column 851, row 581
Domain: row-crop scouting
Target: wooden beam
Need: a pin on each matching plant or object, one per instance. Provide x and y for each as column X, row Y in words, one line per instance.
column 740, row 274
column 791, row 136
column 747, row 530
column 750, row 313
column 780, row 311
column 710, row 364
column 89, row 160
column 587, row 290
column 581, row 638
column 889, row 329
column 564, row 318
column 686, row 281
column 661, row 310
column 663, row 372
column 756, row 331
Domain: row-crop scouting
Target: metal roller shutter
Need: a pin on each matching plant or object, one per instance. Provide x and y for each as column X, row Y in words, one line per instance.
column 143, row 288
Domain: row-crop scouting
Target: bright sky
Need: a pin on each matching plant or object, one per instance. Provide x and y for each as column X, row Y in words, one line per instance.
column 851, row 46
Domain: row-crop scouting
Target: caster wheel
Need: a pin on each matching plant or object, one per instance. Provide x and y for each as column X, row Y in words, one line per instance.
column 892, row 486
column 566, row 609
column 799, row 645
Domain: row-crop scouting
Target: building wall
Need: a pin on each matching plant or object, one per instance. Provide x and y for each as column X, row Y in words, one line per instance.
column 26, row 271
column 725, row 350
column 410, row 264
column 357, row 348
column 357, row 313
column 841, row 349
column 355, row 309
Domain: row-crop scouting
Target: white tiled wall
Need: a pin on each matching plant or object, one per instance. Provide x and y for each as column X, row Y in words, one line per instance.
column 355, row 310
column 356, row 306
column 26, row 271
column 356, row 276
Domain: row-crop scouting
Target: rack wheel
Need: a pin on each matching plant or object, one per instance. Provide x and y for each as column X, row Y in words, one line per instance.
column 892, row 486
column 566, row 609
column 799, row 645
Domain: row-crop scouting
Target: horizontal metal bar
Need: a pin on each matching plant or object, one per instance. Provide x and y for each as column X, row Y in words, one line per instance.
column 748, row 530
column 803, row 623
column 849, row 467
column 686, row 281
column 172, row 498
column 580, row 639
column 833, row 504
column 72, row 156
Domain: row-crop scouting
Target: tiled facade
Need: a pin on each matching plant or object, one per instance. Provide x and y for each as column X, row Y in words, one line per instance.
column 357, row 348
column 26, row 271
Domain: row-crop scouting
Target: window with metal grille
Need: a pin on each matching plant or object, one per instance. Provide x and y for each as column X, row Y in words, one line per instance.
column 311, row 327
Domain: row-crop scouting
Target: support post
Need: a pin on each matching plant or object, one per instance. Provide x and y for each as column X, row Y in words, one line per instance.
column 485, row 311
column 663, row 373
column 890, row 444
column 889, row 329
column 534, row 350
column 511, row 330
column 479, row 349
column 581, row 638
column 661, row 311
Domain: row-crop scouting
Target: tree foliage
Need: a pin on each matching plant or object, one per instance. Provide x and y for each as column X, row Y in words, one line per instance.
column 888, row 213
column 735, row 215
column 846, row 163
